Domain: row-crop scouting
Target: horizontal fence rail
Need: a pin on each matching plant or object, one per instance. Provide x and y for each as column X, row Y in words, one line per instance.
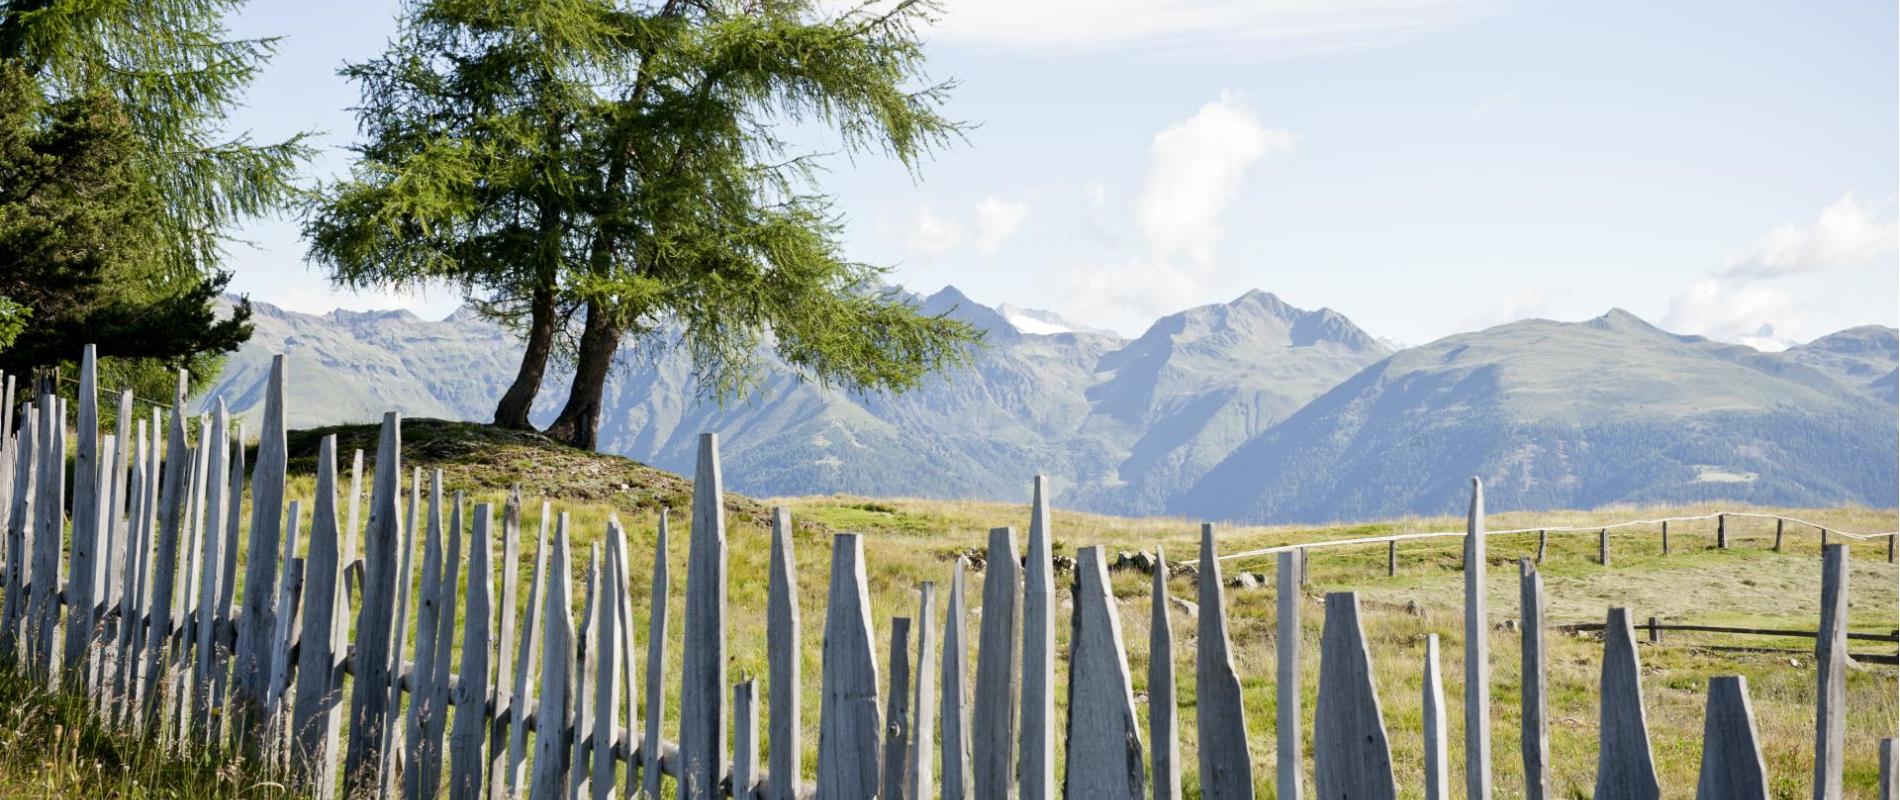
column 384, row 651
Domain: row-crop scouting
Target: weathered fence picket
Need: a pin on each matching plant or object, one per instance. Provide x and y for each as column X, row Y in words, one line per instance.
column 703, row 684
column 316, row 721
column 467, row 765
column 1625, row 766
column 1351, row 754
column 1104, row 735
column 920, row 771
column 1286, row 687
column 1477, row 654
column 1732, row 767
column 1036, row 764
column 848, row 725
column 1226, row 760
column 1432, row 710
column 557, row 668
column 370, row 707
column 1164, row 713
column 954, row 708
column 1534, row 713
column 993, row 713
column 655, row 707
column 1830, row 666
column 783, row 651
column 891, row 784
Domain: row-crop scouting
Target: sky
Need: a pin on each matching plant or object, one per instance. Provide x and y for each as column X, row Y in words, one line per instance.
column 1727, row 168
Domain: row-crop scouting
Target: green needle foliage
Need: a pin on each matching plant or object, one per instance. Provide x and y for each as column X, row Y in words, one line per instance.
column 120, row 186
column 590, row 170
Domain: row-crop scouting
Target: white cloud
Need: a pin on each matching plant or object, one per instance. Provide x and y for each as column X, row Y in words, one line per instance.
column 1847, row 233
column 1748, row 300
column 997, row 220
column 1228, row 29
column 1196, row 167
column 1731, row 312
column 932, row 234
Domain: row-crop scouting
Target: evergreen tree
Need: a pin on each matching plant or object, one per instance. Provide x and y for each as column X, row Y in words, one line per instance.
column 589, row 171
column 120, row 186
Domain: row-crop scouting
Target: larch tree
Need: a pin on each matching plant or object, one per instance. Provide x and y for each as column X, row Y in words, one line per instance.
column 591, row 171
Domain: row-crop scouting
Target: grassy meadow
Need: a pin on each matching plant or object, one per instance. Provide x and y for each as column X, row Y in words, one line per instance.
column 908, row 541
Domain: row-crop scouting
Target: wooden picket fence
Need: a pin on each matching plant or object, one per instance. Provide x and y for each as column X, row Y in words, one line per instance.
column 139, row 612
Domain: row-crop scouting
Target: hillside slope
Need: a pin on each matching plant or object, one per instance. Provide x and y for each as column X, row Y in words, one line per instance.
column 1574, row 415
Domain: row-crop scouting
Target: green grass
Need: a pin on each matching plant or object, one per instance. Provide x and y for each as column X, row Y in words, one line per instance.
column 909, row 541
column 53, row 746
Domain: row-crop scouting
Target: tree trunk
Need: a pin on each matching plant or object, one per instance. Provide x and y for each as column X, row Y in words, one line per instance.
column 512, row 411
column 579, row 422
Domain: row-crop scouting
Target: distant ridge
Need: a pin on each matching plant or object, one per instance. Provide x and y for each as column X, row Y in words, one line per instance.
column 1252, row 409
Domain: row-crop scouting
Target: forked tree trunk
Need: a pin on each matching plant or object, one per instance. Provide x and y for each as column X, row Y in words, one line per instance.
column 579, row 422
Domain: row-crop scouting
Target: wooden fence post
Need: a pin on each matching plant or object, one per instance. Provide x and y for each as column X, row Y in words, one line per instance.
column 1780, row 524
column 651, row 744
column 1665, row 537
column 395, row 736
column 429, row 600
column 1164, row 713
column 897, row 713
column 1625, row 768
column 703, row 684
column 557, row 674
column 1603, row 547
column 1732, row 766
column 1889, row 774
column 1830, row 662
column 1655, row 630
column 580, row 758
column 1826, row 538
column 1351, row 755
column 1890, row 548
column 315, row 722
column 1477, row 654
column 1304, row 575
column 993, row 715
column 49, row 534
column 523, row 694
column 83, row 553
column 369, row 699
column 920, row 771
column 1437, row 755
column 1392, row 559
column 606, row 664
column 954, row 706
column 629, row 674
column 223, row 648
column 1286, row 687
column 1225, row 759
column 499, row 779
column 1036, row 769
column 1104, row 735
column 1535, row 711
column 848, row 727
column 218, row 447
column 252, row 664
column 171, row 495
column 783, row 653
column 1721, row 531
column 466, row 761
column 745, row 740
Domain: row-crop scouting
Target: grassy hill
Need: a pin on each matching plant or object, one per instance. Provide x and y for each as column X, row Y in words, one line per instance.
column 909, row 541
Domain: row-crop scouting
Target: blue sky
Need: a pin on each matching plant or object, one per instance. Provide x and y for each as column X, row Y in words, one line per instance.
column 1424, row 166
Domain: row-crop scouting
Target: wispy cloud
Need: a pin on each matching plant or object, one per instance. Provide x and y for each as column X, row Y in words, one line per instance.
column 930, row 233
column 1847, row 233
column 1196, row 167
column 1228, row 29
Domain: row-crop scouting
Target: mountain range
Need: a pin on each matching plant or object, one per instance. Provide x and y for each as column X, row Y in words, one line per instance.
column 1249, row 410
